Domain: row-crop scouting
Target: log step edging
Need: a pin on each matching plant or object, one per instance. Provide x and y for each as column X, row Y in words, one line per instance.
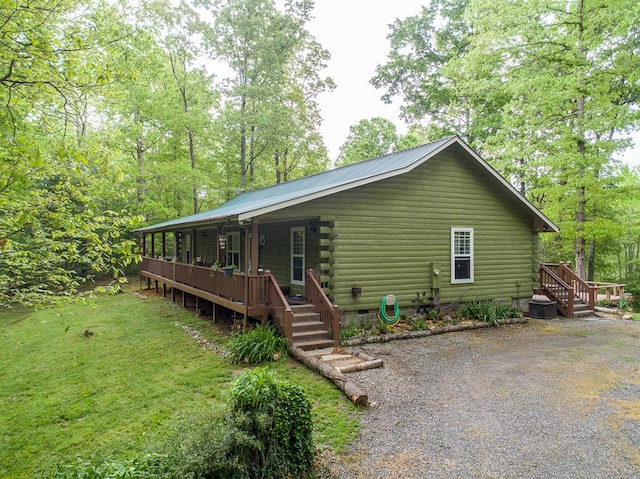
column 462, row 326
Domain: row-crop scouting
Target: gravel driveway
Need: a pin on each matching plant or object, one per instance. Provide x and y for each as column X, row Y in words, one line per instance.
column 546, row 399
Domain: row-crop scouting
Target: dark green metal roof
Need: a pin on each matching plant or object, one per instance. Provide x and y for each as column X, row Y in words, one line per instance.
column 253, row 204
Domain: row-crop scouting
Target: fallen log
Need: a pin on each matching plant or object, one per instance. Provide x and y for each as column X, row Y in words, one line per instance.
column 351, row 389
column 374, row 363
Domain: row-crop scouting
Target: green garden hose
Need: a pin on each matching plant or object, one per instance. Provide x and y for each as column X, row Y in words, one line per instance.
column 382, row 313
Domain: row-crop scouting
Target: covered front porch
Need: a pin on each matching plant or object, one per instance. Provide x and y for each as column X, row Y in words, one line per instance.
column 194, row 261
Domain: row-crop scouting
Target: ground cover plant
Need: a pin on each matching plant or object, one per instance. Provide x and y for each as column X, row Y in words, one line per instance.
column 108, row 384
column 262, row 343
column 429, row 314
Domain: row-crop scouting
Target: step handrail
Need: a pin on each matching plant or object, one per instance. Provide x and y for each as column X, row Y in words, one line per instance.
column 329, row 312
column 557, row 289
column 582, row 289
column 280, row 309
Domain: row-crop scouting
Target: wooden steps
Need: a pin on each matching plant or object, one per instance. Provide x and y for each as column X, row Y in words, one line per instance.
column 308, row 331
column 581, row 310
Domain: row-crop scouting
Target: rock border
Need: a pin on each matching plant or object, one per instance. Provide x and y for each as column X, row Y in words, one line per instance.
column 449, row 328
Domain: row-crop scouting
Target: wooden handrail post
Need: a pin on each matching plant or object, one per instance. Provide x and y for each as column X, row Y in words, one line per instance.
column 571, row 295
column 335, row 327
column 288, row 324
column 593, row 291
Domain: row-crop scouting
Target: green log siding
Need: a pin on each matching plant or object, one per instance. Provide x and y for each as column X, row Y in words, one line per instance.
column 386, row 235
column 275, row 255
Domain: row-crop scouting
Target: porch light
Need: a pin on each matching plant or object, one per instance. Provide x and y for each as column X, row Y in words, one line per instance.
column 222, row 241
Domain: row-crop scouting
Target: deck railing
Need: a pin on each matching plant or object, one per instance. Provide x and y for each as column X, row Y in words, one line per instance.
column 200, row 277
column 280, row 310
column 557, row 289
column 608, row 291
column 581, row 288
column 329, row 313
column 253, row 291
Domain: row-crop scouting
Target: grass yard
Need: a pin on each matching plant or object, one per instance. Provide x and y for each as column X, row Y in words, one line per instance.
column 115, row 379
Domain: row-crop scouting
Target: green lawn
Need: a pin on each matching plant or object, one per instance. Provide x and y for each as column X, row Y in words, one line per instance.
column 120, row 388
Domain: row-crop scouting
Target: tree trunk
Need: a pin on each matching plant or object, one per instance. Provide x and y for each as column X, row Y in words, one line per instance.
column 351, row 389
column 142, row 187
column 581, row 217
column 192, row 154
column 592, row 260
column 276, row 160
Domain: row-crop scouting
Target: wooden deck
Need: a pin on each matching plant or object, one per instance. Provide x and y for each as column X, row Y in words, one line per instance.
column 560, row 283
column 254, row 296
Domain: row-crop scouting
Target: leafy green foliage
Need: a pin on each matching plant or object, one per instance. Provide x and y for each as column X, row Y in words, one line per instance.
column 150, row 466
column 357, row 327
column 376, row 137
column 272, row 424
column 270, row 113
column 488, row 311
column 54, row 240
column 198, row 448
column 263, row 343
column 545, row 91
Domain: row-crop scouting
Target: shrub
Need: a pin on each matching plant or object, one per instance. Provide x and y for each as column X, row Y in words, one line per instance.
column 633, row 288
column 257, row 346
column 355, row 327
column 271, row 426
column 198, row 449
column 489, row 311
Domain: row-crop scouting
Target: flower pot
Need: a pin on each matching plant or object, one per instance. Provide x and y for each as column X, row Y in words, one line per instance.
column 228, row 272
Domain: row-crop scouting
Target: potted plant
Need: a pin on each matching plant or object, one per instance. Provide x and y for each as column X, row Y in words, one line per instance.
column 215, row 267
column 228, row 270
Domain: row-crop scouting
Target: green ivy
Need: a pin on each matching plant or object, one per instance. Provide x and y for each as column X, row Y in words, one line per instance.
column 272, row 424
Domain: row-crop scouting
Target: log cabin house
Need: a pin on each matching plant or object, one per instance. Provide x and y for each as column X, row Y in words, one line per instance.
column 434, row 218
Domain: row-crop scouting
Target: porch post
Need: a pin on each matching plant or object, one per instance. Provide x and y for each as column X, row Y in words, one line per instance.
column 177, row 252
column 254, row 247
column 194, row 245
column 164, row 245
column 219, row 253
column 153, row 245
column 144, row 244
column 246, row 278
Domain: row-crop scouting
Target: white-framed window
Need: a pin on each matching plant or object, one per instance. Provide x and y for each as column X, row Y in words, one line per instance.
column 297, row 255
column 233, row 249
column 461, row 255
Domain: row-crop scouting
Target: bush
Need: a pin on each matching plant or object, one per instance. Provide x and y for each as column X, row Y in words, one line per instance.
column 633, row 289
column 271, row 426
column 488, row 311
column 198, row 448
column 257, row 346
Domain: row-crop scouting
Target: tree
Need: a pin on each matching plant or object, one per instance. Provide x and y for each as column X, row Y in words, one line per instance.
column 421, row 48
column 58, row 224
column 552, row 88
column 565, row 67
column 376, row 137
column 274, row 63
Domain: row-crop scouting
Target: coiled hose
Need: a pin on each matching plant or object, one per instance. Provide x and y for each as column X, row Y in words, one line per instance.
column 382, row 312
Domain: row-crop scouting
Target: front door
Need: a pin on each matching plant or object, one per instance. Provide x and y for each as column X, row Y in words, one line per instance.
column 297, row 255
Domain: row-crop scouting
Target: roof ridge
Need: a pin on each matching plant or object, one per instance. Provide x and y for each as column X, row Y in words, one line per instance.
column 368, row 160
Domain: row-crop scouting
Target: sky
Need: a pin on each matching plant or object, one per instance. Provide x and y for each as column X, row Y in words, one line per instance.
column 355, row 32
